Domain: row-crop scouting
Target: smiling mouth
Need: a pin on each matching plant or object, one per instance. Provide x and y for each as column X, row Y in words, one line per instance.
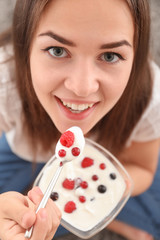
column 77, row 108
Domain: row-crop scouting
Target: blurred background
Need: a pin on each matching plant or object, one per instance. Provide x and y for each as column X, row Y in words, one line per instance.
column 6, row 13
column 7, row 6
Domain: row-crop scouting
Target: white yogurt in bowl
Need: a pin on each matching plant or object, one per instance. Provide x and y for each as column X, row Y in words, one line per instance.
column 90, row 191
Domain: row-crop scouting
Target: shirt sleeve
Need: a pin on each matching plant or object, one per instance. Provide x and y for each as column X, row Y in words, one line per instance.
column 148, row 127
column 8, row 94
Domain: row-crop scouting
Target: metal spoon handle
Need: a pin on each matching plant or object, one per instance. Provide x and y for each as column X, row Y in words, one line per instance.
column 46, row 196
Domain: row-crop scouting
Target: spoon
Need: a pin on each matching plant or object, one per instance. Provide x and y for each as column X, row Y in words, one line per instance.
column 69, row 146
column 47, row 194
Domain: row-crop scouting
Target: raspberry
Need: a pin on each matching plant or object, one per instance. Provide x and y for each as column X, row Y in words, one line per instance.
column 102, row 166
column 61, row 164
column 62, row 153
column 68, row 184
column 84, row 184
column 82, row 199
column 70, row 207
column 87, row 162
column 94, row 177
column 75, row 151
column 67, row 139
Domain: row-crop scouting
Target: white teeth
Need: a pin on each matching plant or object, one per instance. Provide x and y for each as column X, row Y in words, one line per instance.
column 82, row 107
column 74, row 107
column 64, row 103
column 77, row 107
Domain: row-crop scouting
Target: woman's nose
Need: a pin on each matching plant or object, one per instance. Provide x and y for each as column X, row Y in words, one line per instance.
column 82, row 80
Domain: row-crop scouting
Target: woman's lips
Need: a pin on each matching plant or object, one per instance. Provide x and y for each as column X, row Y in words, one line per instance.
column 75, row 111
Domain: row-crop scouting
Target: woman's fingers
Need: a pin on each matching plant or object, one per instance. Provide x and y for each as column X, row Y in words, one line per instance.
column 16, row 207
column 35, row 195
column 17, row 213
column 40, row 229
column 54, row 212
column 50, row 213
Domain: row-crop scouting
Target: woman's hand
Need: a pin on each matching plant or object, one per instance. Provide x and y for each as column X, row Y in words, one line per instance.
column 17, row 213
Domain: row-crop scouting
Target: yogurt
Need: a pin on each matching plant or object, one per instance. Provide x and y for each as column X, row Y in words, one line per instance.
column 88, row 190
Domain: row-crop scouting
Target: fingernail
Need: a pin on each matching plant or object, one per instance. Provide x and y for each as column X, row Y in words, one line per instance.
column 38, row 191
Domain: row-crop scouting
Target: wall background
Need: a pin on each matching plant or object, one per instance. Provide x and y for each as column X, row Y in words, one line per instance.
column 155, row 29
column 6, row 10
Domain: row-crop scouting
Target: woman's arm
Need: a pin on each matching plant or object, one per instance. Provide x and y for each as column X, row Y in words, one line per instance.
column 140, row 160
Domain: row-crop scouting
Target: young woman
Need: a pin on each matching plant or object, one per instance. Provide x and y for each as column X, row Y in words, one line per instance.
column 83, row 63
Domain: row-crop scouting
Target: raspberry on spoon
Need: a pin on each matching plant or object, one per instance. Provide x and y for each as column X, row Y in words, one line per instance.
column 67, row 139
column 70, row 144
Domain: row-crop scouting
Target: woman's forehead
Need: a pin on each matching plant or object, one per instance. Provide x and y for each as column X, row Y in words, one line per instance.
column 89, row 17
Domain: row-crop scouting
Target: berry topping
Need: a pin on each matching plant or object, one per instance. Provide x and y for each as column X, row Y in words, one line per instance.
column 113, row 176
column 61, row 164
column 84, row 184
column 62, row 153
column 102, row 189
column 70, row 207
column 102, row 166
column 67, row 139
column 82, row 199
column 68, row 184
column 75, row 151
column 87, row 162
column 94, row 177
column 54, row 196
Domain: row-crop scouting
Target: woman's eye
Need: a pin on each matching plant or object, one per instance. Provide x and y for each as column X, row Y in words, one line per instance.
column 111, row 57
column 58, row 52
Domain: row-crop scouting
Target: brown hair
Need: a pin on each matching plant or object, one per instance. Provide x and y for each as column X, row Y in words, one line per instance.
column 120, row 121
column 113, row 129
column 38, row 124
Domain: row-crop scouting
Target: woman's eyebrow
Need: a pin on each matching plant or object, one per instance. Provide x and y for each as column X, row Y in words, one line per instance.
column 72, row 44
column 58, row 38
column 116, row 44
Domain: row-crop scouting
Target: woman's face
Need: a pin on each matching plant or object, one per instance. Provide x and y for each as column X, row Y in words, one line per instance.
column 81, row 59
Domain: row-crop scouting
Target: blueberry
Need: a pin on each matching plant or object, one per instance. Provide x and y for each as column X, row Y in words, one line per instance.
column 102, row 188
column 54, row 196
column 113, row 176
